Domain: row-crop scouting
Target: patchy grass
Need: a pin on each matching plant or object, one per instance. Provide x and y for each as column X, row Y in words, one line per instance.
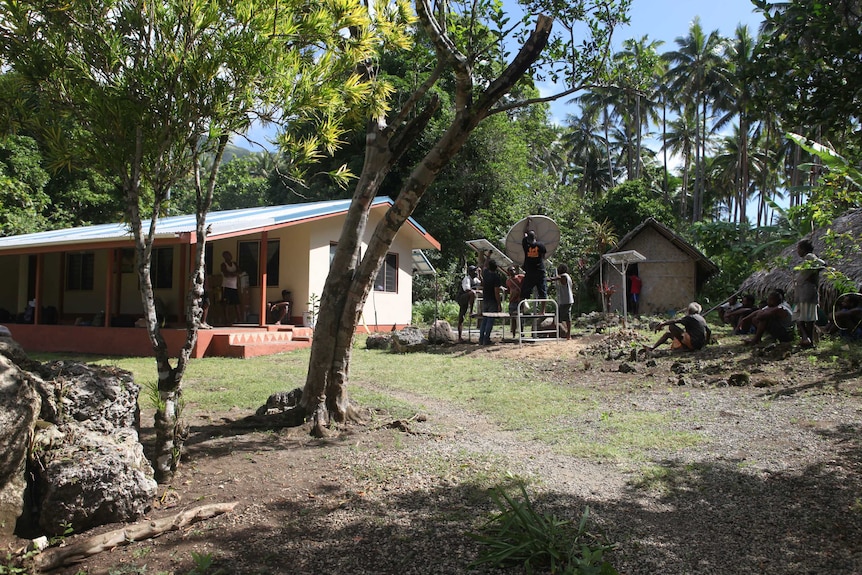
column 533, row 401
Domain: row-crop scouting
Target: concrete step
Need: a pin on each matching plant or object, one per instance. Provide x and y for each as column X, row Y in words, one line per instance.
column 248, row 350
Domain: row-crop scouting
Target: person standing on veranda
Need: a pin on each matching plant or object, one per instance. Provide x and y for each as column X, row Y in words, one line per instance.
column 230, row 287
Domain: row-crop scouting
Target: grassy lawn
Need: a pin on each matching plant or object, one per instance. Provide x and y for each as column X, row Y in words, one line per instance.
column 553, row 408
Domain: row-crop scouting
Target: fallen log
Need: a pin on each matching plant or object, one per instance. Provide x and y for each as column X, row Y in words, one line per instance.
column 60, row 556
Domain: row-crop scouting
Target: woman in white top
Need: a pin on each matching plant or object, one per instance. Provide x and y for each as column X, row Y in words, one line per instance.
column 229, row 285
column 565, row 299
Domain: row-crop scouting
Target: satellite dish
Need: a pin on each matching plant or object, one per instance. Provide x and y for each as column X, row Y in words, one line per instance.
column 547, row 232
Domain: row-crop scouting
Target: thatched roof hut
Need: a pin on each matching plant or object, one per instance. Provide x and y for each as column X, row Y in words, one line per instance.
column 672, row 274
column 847, row 241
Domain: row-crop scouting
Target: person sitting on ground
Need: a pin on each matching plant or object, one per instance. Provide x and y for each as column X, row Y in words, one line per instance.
column 470, row 285
column 846, row 320
column 693, row 335
column 281, row 307
column 746, row 306
column 776, row 319
column 730, row 305
column 513, row 285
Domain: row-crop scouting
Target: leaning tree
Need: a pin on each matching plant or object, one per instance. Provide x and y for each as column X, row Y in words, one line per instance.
column 159, row 87
column 568, row 46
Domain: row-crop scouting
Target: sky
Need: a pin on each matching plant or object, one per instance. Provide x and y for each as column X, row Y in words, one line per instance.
column 667, row 20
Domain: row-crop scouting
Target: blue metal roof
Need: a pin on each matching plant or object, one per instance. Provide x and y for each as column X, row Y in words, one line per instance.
column 224, row 223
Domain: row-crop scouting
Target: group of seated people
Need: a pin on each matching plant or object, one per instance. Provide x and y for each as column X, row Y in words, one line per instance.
column 774, row 317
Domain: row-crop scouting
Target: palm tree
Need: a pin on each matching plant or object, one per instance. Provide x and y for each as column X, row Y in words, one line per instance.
column 641, row 68
column 737, row 103
column 681, row 139
column 595, row 104
column 584, row 144
column 696, row 68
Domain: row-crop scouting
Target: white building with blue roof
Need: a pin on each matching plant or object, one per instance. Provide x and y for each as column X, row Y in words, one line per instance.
column 79, row 275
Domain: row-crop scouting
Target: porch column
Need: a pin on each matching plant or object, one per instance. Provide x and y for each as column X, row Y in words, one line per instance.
column 37, row 313
column 185, row 280
column 262, row 252
column 109, row 285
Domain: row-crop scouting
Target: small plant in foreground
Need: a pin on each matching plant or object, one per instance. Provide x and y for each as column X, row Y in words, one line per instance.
column 519, row 535
column 203, row 564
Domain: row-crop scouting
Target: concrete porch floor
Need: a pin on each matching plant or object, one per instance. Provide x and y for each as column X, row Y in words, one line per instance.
column 231, row 341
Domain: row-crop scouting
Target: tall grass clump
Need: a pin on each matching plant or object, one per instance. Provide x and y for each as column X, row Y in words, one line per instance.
column 520, row 535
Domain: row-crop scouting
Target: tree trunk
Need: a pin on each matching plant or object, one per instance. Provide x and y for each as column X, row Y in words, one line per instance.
column 325, row 397
column 169, row 428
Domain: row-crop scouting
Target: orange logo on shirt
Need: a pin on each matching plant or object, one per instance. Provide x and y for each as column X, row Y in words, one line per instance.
column 533, row 252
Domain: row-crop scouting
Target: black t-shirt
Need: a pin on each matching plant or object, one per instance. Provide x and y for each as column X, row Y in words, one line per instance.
column 534, row 256
column 695, row 325
column 491, row 280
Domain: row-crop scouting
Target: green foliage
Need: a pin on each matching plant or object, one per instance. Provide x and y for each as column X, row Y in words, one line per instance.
column 836, row 191
column 425, row 311
column 520, row 535
column 23, row 201
column 204, row 564
column 819, row 43
column 242, row 182
column 629, row 204
column 732, row 248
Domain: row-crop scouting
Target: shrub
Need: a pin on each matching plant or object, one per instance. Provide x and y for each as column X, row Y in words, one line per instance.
column 519, row 535
column 424, row 311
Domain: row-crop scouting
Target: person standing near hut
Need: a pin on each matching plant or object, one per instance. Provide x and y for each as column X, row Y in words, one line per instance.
column 491, row 292
column 534, row 265
column 513, row 286
column 565, row 299
column 807, row 292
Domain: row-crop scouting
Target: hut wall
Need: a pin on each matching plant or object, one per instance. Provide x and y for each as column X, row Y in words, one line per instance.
column 668, row 275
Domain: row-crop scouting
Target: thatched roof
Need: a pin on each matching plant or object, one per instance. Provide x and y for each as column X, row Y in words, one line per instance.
column 847, row 231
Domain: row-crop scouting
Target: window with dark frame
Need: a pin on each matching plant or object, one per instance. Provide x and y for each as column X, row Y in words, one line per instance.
column 249, row 256
column 387, row 277
column 162, row 268
column 80, row 270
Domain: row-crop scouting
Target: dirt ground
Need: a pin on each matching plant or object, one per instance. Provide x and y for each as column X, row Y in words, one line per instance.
column 773, row 487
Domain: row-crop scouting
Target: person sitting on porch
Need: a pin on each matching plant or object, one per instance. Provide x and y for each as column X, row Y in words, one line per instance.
column 280, row 308
column 693, row 335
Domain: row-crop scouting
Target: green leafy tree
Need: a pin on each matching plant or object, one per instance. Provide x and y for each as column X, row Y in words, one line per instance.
column 159, row 88
column 807, row 63
column 478, row 82
column 22, row 186
column 629, row 204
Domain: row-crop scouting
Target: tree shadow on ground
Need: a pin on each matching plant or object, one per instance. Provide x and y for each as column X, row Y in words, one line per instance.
column 692, row 518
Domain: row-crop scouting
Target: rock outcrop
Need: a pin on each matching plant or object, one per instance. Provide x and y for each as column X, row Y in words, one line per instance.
column 69, row 446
